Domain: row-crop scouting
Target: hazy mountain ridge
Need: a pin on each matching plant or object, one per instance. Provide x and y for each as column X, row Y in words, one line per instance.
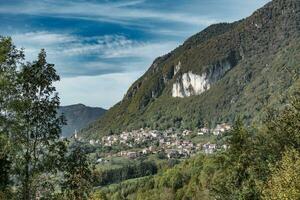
column 78, row 116
column 262, row 51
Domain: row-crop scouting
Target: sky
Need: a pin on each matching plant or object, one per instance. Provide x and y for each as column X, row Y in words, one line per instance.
column 100, row 47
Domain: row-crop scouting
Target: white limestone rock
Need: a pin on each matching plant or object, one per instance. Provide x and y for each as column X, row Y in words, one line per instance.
column 193, row 84
column 190, row 84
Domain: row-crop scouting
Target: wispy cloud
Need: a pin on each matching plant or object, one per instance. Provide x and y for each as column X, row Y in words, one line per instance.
column 43, row 38
column 97, row 55
column 142, row 50
column 99, row 45
column 118, row 12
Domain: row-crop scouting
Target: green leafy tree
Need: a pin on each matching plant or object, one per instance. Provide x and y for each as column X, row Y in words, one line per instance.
column 282, row 129
column 284, row 182
column 77, row 174
column 10, row 57
column 236, row 179
column 39, row 126
column 99, row 195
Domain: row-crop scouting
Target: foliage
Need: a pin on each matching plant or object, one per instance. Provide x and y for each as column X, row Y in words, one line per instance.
column 256, row 166
column 38, row 125
column 284, row 181
column 78, row 174
column 115, row 175
column 9, row 59
column 31, row 154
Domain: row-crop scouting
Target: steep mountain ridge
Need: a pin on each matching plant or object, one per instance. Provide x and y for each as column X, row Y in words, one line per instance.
column 222, row 72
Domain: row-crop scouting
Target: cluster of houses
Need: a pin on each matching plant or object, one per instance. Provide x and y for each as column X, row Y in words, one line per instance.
column 177, row 149
column 209, row 148
column 218, row 130
column 171, row 143
column 154, row 142
column 164, row 137
column 167, row 138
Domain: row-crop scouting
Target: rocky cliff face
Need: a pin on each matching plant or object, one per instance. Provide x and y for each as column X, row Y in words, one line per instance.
column 224, row 71
column 189, row 84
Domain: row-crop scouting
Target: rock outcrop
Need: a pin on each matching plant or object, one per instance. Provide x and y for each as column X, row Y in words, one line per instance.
column 192, row 84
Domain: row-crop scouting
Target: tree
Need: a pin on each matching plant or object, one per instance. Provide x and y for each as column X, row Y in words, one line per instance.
column 39, row 126
column 10, row 57
column 284, row 182
column 32, row 157
column 99, row 195
column 282, row 129
column 77, row 174
column 236, row 180
column 246, row 162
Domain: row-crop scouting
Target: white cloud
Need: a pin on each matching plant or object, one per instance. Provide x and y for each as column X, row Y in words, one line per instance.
column 43, row 38
column 127, row 3
column 105, row 83
column 102, row 91
column 120, row 12
column 32, row 42
column 98, row 45
column 142, row 50
column 69, row 52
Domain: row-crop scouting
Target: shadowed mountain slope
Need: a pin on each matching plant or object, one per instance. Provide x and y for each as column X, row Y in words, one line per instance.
column 79, row 116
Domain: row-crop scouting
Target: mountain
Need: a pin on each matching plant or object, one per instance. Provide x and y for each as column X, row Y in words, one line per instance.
column 226, row 71
column 79, row 116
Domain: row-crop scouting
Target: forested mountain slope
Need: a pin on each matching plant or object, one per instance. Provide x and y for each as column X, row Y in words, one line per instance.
column 224, row 72
column 79, row 116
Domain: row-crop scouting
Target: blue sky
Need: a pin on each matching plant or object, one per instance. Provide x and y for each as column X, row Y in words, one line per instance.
column 100, row 47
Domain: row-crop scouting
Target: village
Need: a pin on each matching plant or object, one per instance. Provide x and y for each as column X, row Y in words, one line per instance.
column 170, row 143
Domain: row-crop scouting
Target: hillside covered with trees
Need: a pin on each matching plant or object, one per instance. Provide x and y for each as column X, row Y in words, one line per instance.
column 247, row 66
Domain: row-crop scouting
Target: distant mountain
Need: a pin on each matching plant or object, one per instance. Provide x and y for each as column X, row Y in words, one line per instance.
column 224, row 72
column 79, row 116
